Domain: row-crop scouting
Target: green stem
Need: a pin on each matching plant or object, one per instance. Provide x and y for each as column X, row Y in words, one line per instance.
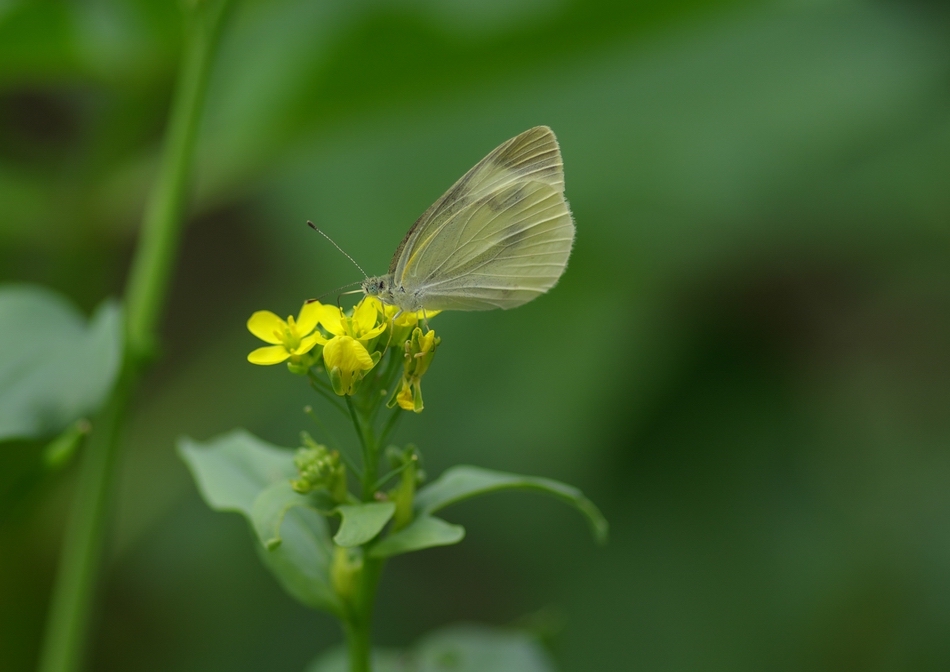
column 358, row 625
column 357, row 622
column 162, row 223
column 358, row 645
column 72, row 603
column 390, row 427
column 324, row 391
column 370, row 453
column 384, row 381
column 385, row 479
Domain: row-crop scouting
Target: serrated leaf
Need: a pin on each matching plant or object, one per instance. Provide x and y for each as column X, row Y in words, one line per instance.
column 424, row 532
column 459, row 648
column 463, row 482
column 239, row 472
column 55, row 366
column 362, row 522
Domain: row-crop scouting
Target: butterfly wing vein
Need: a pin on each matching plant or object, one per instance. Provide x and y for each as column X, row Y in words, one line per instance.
column 469, row 251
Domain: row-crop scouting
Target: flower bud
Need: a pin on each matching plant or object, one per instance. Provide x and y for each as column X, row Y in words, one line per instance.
column 319, row 469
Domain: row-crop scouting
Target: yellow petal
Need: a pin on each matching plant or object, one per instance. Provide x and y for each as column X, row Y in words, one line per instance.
column 306, row 344
column 308, row 318
column 425, row 343
column 272, row 354
column 364, row 316
column 406, row 320
column 331, row 317
column 404, row 398
column 375, row 302
column 373, row 333
column 346, row 354
column 266, row 326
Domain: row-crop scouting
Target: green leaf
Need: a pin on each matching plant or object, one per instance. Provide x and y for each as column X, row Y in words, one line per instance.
column 471, row 648
column 239, row 472
column 232, row 469
column 384, row 660
column 424, row 532
column 301, row 563
column 55, row 367
column 459, row 648
column 362, row 522
column 271, row 506
column 462, row 482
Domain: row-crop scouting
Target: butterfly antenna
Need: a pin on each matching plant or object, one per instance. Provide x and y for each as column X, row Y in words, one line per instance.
column 312, row 226
column 355, row 291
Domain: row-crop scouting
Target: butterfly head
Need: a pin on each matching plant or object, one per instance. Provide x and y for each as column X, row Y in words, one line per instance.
column 380, row 287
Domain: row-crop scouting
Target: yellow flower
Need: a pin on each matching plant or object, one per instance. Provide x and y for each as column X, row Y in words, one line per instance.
column 405, row 323
column 347, row 360
column 420, row 350
column 351, row 351
column 362, row 326
column 291, row 338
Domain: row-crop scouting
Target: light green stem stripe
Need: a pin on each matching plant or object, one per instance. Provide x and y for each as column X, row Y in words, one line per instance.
column 72, row 607
column 358, row 646
column 162, row 223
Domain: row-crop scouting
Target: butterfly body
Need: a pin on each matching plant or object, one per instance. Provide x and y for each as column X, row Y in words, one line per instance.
column 383, row 289
column 499, row 237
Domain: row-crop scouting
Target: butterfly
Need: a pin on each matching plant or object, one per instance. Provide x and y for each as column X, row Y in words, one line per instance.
column 498, row 238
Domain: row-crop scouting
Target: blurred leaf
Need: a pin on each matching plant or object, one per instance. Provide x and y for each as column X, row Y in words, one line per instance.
column 37, row 39
column 472, row 648
column 272, row 504
column 336, row 660
column 60, row 450
column 424, row 532
column 54, row 366
column 459, row 648
column 362, row 522
column 462, row 482
column 301, row 563
column 239, row 472
column 233, row 469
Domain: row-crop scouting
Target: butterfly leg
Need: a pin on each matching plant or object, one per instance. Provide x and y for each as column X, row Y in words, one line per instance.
column 392, row 328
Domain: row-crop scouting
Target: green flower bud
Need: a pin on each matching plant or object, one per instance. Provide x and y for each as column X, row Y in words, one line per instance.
column 345, row 570
column 319, row 469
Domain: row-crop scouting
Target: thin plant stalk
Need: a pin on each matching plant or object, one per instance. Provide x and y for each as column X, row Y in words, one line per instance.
column 72, row 606
column 358, row 621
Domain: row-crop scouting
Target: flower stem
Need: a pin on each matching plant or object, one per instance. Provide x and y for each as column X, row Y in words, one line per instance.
column 72, row 604
column 358, row 646
column 369, row 449
column 358, row 624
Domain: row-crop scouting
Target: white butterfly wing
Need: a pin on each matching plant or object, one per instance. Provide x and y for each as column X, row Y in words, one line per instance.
column 499, row 252
column 531, row 156
column 498, row 238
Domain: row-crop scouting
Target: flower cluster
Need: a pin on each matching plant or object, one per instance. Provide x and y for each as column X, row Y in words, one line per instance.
column 350, row 343
column 419, row 351
column 319, row 469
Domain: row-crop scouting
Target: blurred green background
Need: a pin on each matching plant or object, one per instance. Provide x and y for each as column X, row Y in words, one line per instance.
column 746, row 365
